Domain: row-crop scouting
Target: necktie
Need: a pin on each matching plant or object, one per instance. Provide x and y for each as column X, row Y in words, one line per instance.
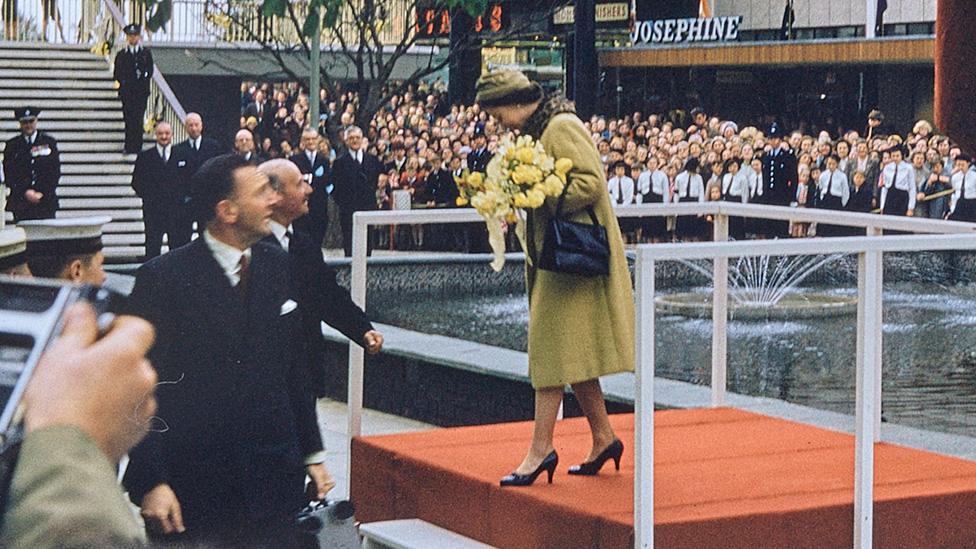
column 895, row 178
column 287, row 240
column 243, row 271
column 359, row 157
column 196, row 145
column 830, row 181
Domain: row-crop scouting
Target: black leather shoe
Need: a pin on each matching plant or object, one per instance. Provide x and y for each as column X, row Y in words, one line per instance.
column 590, row 468
column 548, row 465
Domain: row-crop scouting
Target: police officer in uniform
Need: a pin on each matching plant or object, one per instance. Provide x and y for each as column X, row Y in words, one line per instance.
column 779, row 180
column 32, row 166
column 13, row 252
column 133, row 71
column 963, row 204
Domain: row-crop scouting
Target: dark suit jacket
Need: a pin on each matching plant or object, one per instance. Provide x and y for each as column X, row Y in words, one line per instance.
column 236, row 422
column 188, row 161
column 355, row 183
column 35, row 167
column 445, row 189
column 134, row 72
column 157, row 182
column 478, row 160
column 321, row 299
column 320, row 176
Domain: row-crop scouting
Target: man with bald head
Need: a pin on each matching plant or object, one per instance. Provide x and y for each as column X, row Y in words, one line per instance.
column 189, row 156
column 320, row 297
column 244, row 146
column 354, row 176
column 156, row 181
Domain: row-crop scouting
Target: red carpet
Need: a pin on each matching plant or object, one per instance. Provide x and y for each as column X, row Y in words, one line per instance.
column 724, row 478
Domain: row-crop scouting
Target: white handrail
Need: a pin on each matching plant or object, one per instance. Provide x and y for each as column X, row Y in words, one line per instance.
column 870, row 249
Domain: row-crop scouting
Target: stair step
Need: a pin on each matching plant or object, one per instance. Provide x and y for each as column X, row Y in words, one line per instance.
column 127, row 214
column 35, row 94
column 67, row 104
column 67, row 74
column 95, row 179
column 52, row 126
column 94, row 157
column 80, row 146
column 96, row 169
column 75, row 191
column 123, row 239
column 123, row 252
column 100, row 203
column 43, row 46
column 81, row 114
column 117, row 136
column 124, row 227
column 89, row 63
column 19, row 83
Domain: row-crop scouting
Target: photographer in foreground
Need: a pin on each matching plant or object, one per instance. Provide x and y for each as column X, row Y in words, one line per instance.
column 89, row 401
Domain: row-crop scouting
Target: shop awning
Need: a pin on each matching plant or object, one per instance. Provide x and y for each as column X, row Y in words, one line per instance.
column 914, row 50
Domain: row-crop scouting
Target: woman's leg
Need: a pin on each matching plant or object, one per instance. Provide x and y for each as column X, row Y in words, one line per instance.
column 547, row 401
column 590, row 397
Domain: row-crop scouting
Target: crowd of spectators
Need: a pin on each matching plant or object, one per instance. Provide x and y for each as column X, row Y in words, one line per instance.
column 424, row 142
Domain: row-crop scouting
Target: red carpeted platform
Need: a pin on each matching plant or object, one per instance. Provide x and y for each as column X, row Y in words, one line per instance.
column 724, row 478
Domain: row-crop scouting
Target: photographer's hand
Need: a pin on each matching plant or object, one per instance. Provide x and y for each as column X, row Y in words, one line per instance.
column 161, row 510
column 102, row 386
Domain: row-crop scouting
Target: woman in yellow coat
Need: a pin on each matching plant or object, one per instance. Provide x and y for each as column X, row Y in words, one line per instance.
column 580, row 328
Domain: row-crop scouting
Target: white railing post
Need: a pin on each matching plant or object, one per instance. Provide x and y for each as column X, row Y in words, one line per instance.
column 720, row 313
column 878, row 369
column 869, row 303
column 357, row 289
column 644, row 404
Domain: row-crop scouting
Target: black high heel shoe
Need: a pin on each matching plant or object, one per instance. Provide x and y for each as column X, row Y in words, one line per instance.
column 548, row 465
column 590, row 468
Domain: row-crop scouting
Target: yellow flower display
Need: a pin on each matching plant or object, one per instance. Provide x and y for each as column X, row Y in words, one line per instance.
column 520, row 177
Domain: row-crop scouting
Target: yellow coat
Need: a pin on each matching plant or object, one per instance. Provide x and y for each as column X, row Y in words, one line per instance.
column 580, row 328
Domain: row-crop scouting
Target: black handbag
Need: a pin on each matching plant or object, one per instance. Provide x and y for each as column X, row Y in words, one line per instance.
column 575, row 248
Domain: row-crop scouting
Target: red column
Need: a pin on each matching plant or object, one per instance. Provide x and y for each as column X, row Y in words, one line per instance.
column 955, row 72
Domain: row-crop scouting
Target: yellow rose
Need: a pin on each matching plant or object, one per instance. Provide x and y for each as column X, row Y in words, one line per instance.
column 521, row 200
column 526, row 155
column 510, row 218
column 510, row 153
column 461, row 201
column 476, row 179
column 553, row 185
column 563, row 165
column 535, row 198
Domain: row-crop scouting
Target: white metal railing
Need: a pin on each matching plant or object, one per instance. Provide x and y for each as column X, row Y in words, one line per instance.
column 951, row 236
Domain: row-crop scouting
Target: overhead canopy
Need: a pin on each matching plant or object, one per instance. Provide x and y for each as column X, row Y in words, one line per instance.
column 812, row 52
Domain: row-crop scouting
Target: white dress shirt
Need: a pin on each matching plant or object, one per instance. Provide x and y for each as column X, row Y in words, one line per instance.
column 964, row 184
column 163, row 152
column 835, row 183
column 621, row 190
column 282, row 233
column 736, row 185
column 905, row 181
column 689, row 185
column 227, row 256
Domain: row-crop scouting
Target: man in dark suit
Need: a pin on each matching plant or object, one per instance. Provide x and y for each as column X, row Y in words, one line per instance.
column 320, row 297
column 398, row 163
column 133, row 71
column 479, row 156
column 355, row 175
column 245, row 147
column 187, row 157
column 262, row 110
column 779, row 176
column 32, row 167
column 226, row 466
column 155, row 180
column 315, row 167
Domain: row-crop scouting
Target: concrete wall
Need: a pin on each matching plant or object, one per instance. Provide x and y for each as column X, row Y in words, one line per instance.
column 768, row 14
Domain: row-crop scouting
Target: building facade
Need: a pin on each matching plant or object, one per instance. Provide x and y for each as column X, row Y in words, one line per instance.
column 753, row 61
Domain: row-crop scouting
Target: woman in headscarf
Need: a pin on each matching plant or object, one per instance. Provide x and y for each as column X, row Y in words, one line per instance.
column 580, row 328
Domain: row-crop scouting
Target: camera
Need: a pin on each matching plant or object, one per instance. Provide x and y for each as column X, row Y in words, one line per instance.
column 329, row 525
column 31, row 317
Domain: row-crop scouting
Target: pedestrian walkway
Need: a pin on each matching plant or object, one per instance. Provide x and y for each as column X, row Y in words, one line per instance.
column 332, row 424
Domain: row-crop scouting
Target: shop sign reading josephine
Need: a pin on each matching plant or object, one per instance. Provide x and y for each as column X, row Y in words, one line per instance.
column 670, row 31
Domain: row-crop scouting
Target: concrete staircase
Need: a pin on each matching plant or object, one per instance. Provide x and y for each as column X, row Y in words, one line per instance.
column 81, row 109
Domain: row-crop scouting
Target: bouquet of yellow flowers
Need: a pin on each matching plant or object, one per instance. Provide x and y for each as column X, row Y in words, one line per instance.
column 519, row 177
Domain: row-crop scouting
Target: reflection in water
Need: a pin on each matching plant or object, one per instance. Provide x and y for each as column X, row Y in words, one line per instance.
column 929, row 349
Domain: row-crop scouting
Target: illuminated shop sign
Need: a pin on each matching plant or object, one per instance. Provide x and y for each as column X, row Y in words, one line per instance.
column 672, row 31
